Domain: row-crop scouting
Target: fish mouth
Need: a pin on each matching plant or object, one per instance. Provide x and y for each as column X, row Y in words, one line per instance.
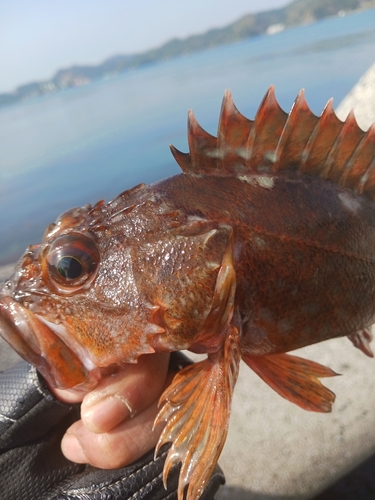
column 39, row 342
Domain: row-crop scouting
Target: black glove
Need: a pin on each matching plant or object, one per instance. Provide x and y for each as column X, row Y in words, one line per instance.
column 32, row 466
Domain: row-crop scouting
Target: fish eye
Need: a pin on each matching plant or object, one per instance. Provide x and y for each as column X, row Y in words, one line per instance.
column 72, row 261
column 69, row 267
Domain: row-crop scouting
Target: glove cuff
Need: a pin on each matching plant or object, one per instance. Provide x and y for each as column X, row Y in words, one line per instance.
column 32, row 424
column 139, row 481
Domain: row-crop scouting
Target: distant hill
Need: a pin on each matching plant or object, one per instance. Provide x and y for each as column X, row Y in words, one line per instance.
column 271, row 21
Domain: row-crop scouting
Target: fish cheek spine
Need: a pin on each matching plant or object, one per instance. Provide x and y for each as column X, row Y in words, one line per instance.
column 179, row 276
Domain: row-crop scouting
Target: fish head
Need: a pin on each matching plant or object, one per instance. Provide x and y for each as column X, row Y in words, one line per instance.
column 109, row 283
column 47, row 291
column 71, row 308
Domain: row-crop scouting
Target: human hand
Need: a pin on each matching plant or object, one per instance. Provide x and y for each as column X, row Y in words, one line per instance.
column 117, row 417
column 33, row 423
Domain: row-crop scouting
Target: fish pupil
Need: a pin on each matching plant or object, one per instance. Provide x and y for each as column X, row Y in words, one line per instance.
column 69, row 267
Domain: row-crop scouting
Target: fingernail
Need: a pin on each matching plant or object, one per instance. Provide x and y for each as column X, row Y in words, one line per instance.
column 72, row 449
column 105, row 414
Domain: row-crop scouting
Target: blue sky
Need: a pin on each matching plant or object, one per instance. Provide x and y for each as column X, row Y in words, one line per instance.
column 37, row 37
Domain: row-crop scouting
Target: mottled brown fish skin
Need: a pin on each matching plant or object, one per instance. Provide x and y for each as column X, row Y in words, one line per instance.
column 305, row 254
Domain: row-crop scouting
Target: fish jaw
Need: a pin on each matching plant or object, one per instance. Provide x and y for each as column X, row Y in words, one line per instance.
column 40, row 343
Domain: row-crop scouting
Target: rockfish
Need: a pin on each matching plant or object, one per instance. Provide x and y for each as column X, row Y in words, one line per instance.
column 264, row 244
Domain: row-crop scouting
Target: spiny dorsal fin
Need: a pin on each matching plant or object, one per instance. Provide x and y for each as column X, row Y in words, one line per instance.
column 277, row 142
column 295, row 134
column 362, row 162
column 345, row 144
column 202, row 145
column 233, row 131
column 319, row 144
column 268, row 125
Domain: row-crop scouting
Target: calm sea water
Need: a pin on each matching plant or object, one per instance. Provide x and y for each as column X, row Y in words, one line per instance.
column 92, row 142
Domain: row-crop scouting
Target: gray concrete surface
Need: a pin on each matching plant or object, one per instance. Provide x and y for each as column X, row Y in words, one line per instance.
column 275, row 450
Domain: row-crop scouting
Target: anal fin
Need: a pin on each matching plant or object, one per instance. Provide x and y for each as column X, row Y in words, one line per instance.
column 361, row 339
column 295, row 379
column 196, row 409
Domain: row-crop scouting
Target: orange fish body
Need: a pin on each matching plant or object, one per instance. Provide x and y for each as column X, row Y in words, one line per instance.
column 266, row 243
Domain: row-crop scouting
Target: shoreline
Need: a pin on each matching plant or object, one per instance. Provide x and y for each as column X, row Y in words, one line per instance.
column 263, row 23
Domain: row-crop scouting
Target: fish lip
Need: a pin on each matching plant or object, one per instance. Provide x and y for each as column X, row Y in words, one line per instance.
column 64, row 336
column 15, row 329
column 36, row 342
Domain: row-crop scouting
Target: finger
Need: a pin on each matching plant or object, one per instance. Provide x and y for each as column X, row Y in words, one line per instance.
column 70, row 396
column 150, row 370
column 125, row 394
column 122, row 445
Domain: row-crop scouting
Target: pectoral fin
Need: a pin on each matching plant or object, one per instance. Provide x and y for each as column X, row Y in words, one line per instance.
column 295, row 379
column 196, row 408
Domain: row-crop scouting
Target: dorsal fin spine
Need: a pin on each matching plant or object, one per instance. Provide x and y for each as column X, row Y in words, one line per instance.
column 367, row 185
column 342, row 149
column 276, row 142
column 183, row 159
column 325, row 131
column 297, row 130
column 233, row 130
column 359, row 162
column 267, row 127
column 201, row 145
